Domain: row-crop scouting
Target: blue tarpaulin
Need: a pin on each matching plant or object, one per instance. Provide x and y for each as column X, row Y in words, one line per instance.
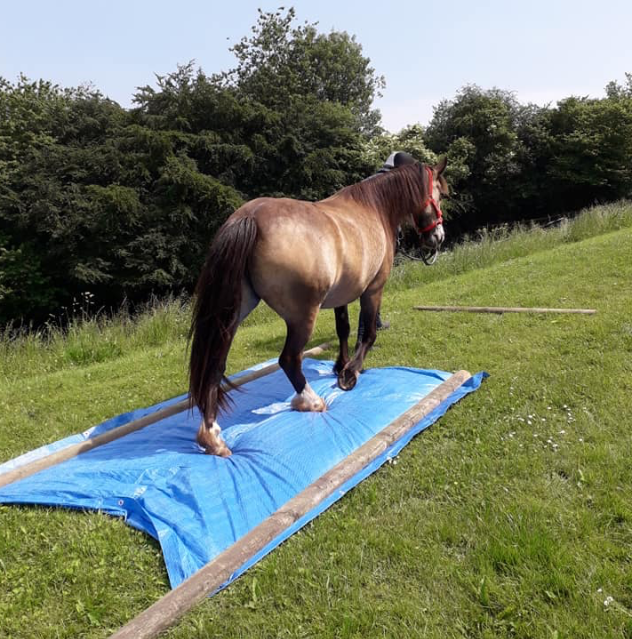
column 198, row 505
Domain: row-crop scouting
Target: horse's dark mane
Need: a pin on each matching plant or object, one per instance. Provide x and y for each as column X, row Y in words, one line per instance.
column 393, row 194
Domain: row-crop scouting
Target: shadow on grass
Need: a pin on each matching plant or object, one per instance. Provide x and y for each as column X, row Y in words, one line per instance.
column 275, row 344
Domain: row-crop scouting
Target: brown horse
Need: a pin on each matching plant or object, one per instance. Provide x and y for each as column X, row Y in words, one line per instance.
column 300, row 257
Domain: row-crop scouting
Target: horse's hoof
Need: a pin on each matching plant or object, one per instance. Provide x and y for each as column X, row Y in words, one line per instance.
column 339, row 366
column 211, row 441
column 218, row 451
column 303, row 405
column 347, row 379
column 308, row 401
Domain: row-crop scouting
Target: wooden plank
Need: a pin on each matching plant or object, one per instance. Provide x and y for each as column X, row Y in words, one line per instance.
column 76, row 449
column 504, row 309
column 166, row 611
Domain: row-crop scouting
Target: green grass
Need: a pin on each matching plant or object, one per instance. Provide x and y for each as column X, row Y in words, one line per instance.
column 511, row 517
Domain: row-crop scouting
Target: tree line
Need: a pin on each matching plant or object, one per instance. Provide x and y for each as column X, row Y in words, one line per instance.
column 122, row 203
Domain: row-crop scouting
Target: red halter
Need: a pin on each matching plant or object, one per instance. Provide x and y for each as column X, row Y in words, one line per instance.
column 430, row 200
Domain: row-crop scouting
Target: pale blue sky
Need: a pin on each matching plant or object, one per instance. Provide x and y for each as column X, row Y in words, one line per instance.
column 543, row 51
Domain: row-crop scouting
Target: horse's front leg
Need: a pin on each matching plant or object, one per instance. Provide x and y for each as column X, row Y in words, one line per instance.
column 290, row 360
column 342, row 330
column 369, row 305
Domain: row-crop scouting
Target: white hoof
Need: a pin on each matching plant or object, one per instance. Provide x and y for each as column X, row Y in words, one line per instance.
column 211, row 440
column 308, row 401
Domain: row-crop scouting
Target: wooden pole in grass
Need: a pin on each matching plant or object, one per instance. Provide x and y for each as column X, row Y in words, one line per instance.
column 82, row 447
column 167, row 610
column 504, row 309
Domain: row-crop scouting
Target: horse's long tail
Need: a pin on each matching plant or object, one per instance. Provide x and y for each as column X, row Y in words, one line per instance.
column 216, row 311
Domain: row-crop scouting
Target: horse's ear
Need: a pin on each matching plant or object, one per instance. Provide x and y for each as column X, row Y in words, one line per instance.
column 439, row 168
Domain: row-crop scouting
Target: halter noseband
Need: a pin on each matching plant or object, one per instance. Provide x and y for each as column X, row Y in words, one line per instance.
column 430, row 200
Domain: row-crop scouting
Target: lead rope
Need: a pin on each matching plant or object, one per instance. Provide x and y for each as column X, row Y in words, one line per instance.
column 428, row 256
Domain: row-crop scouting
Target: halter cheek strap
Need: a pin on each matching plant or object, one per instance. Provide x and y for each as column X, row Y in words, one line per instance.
column 430, row 200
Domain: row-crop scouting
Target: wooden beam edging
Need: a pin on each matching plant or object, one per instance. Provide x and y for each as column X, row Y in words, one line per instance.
column 73, row 450
column 168, row 609
column 504, row 309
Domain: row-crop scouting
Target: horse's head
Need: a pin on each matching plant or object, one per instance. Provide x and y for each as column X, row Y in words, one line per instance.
column 429, row 220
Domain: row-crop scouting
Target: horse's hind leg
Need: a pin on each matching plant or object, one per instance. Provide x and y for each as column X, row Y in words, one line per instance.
column 342, row 329
column 208, row 435
column 290, row 360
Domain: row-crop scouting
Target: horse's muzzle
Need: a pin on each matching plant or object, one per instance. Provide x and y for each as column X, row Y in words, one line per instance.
column 433, row 239
column 430, row 244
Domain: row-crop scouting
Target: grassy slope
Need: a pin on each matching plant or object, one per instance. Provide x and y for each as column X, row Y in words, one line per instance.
column 511, row 517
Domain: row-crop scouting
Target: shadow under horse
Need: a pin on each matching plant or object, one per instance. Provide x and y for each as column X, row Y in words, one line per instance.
column 300, row 257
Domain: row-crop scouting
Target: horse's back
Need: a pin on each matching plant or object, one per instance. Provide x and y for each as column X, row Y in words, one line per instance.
column 311, row 254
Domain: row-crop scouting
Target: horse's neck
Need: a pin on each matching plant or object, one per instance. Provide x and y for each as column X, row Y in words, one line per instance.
column 385, row 199
column 392, row 223
column 394, row 218
column 395, row 215
column 348, row 206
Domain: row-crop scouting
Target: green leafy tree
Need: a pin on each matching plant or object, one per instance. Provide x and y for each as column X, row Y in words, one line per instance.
column 588, row 152
column 320, row 89
column 280, row 62
column 123, row 203
column 616, row 91
column 50, row 141
column 92, row 198
column 518, row 162
column 410, row 139
column 479, row 130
